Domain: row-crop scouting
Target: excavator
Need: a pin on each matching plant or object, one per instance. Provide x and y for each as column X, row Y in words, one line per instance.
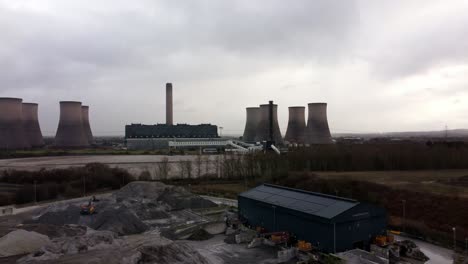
column 88, row 209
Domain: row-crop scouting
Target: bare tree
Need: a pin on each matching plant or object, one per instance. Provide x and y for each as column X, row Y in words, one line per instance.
column 187, row 164
column 185, row 168
column 206, row 162
column 218, row 166
column 199, row 163
column 163, row 168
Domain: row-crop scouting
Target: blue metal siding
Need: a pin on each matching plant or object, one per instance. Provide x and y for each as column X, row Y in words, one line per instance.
column 274, row 218
column 364, row 230
column 359, row 223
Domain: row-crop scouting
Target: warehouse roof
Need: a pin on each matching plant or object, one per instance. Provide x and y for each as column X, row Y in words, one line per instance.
column 318, row 204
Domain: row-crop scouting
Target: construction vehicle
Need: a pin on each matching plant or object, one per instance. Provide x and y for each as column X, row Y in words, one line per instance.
column 384, row 240
column 277, row 237
column 304, row 246
column 88, row 209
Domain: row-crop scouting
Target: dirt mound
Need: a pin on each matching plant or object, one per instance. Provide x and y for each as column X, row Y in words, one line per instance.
column 21, row 242
column 178, row 198
column 119, row 220
column 200, row 235
column 54, row 231
column 176, row 252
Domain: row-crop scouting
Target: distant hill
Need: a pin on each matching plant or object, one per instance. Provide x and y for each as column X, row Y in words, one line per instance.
column 458, row 133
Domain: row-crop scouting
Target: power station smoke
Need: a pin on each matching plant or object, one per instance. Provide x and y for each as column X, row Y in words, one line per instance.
column 11, row 125
column 295, row 132
column 86, row 125
column 32, row 129
column 169, row 113
column 317, row 131
column 251, row 124
column 263, row 127
column 70, row 132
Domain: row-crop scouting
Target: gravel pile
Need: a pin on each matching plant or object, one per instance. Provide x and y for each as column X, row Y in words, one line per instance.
column 177, row 252
column 68, row 215
column 139, row 190
column 119, row 220
column 21, row 242
column 200, row 235
column 178, row 198
column 149, row 211
column 93, row 240
column 54, row 231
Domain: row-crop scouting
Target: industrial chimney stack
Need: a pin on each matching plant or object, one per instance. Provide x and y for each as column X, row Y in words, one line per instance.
column 296, row 125
column 169, row 114
column 11, row 124
column 70, row 132
column 317, row 131
column 32, row 129
column 86, row 125
column 263, row 127
column 252, row 121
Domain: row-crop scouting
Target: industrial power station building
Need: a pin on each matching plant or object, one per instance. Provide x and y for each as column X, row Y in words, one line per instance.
column 151, row 137
column 330, row 223
column 159, row 136
column 171, row 131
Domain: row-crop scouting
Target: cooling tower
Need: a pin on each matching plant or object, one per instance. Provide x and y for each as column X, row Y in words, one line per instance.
column 252, row 120
column 86, row 125
column 70, row 132
column 295, row 132
column 11, row 125
column 263, row 127
column 32, row 130
column 317, row 131
column 169, row 114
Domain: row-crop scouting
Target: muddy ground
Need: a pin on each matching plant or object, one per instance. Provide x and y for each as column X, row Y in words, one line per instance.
column 134, row 164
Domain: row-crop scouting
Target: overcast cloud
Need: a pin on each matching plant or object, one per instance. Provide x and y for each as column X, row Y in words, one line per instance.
column 381, row 66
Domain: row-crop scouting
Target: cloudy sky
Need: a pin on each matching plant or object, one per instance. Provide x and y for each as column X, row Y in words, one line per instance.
column 380, row 65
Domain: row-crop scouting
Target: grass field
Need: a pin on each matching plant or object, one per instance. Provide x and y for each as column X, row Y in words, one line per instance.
column 442, row 182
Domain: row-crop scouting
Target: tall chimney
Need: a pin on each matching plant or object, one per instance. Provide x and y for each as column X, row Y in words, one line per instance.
column 169, row 117
column 263, row 126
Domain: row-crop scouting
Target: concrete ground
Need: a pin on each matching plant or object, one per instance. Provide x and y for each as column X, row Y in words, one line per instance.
column 219, row 252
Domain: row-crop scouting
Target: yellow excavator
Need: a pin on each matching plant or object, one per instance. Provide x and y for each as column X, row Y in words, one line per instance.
column 88, row 209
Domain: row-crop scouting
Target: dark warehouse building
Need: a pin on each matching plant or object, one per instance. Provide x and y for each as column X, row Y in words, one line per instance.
column 171, row 131
column 330, row 223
